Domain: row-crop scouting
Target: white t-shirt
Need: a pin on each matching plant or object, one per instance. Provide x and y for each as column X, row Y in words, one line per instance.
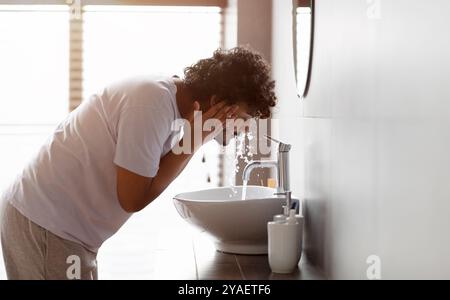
column 69, row 188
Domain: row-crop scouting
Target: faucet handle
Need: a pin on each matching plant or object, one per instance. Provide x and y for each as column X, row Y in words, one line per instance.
column 287, row 193
column 272, row 139
column 282, row 147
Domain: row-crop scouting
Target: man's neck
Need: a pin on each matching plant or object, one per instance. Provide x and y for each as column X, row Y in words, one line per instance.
column 185, row 99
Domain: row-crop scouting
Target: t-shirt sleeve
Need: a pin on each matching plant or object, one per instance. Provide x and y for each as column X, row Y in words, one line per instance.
column 142, row 133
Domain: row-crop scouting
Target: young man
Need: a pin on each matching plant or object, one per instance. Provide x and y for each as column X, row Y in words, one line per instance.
column 112, row 156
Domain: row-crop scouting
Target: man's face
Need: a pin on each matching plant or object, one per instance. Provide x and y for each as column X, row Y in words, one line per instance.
column 235, row 128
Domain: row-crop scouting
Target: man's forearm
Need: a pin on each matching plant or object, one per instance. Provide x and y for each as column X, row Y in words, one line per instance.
column 170, row 167
column 135, row 192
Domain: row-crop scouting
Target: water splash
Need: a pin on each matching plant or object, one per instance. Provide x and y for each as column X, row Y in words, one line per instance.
column 244, row 151
column 241, row 150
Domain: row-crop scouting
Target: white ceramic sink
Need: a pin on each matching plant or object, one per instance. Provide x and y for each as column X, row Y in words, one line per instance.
column 236, row 225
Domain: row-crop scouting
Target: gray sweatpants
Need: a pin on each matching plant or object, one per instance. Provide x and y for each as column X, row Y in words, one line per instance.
column 32, row 252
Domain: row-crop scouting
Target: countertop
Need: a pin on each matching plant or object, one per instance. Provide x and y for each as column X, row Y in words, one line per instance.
column 214, row 265
column 158, row 244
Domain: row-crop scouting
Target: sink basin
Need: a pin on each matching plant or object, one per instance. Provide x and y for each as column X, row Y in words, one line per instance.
column 237, row 226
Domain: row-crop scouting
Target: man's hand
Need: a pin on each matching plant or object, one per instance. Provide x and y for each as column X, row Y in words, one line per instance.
column 220, row 112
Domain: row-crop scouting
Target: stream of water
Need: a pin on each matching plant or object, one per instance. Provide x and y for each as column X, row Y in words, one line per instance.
column 244, row 190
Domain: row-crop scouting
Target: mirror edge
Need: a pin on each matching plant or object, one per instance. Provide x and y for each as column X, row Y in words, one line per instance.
column 311, row 47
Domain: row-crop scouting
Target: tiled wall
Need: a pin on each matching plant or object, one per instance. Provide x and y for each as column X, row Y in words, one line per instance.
column 371, row 141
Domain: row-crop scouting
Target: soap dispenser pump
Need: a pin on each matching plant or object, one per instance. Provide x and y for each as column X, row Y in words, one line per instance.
column 285, row 243
column 292, row 220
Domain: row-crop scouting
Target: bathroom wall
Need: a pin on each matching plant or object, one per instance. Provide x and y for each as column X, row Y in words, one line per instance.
column 371, row 140
column 254, row 25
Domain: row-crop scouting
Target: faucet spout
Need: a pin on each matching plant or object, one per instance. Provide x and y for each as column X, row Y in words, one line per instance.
column 257, row 165
column 281, row 164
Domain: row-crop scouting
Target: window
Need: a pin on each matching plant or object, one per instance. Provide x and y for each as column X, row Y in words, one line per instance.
column 50, row 61
column 34, row 80
column 125, row 41
column 34, row 64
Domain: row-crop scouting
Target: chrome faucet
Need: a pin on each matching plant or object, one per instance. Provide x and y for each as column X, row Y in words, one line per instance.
column 282, row 166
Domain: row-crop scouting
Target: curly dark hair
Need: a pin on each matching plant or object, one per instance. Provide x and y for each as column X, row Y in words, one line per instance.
column 235, row 75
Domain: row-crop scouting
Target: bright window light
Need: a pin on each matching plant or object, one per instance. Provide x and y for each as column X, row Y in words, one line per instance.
column 34, row 64
column 123, row 41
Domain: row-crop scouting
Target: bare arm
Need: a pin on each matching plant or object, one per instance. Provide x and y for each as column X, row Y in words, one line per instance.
column 135, row 192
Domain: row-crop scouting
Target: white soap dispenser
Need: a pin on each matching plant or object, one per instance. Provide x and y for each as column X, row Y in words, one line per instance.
column 285, row 243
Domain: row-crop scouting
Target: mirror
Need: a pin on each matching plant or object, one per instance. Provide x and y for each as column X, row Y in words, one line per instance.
column 303, row 34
